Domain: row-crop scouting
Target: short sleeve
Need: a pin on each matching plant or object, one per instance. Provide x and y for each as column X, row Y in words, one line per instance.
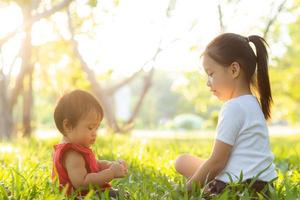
column 230, row 122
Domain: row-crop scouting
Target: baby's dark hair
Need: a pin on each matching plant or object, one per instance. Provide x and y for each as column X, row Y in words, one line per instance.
column 230, row 47
column 74, row 106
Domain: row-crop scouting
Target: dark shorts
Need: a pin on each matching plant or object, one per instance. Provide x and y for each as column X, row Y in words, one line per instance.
column 215, row 187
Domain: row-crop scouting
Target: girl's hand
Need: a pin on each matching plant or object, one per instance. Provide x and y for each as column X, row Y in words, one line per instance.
column 189, row 186
column 118, row 170
column 192, row 185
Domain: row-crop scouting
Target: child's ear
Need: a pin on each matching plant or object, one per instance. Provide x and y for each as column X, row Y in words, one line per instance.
column 67, row 126
column 235, row 69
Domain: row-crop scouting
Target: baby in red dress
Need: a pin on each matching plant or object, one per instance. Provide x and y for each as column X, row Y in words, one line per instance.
column 77, row 116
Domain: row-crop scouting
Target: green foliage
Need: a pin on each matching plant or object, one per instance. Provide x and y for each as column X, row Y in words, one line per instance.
column 286, row 93
column 93, row 3
column 187, row 122
column 25, row 168
column 285, row 80
column 165, row 103
column 197, row 93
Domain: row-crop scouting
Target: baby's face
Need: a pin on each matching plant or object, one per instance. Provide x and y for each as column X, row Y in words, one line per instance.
column 85, row 133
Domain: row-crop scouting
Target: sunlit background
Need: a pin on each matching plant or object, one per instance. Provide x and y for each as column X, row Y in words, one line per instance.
column 145, row 57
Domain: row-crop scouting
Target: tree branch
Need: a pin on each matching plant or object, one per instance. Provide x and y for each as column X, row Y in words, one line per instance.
column 111, row 90
column 221, row 23
column 147, row 84
column 35, row 18
column 273, row 19
column 96, row 87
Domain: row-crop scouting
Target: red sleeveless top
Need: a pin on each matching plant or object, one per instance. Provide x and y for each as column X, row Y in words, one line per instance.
column 59, row 170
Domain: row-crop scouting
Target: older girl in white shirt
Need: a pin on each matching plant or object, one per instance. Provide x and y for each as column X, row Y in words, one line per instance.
column 242, row 144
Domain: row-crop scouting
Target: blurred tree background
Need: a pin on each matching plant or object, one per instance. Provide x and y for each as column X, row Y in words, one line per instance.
column 141, row 59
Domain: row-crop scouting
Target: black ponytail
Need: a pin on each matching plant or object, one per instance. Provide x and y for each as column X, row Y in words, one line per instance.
column 263, row 82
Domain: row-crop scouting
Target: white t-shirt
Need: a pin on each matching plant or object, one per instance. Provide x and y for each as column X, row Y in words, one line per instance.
column 242, row 124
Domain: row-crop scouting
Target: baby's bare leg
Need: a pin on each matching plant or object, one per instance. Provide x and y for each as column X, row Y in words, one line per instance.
column 187, row 164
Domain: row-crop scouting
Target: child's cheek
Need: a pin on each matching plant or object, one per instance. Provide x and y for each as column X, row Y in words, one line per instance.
column 212, row 81
column 209, row 80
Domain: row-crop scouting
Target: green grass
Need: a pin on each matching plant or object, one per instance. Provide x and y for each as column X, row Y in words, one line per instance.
column 25, row 167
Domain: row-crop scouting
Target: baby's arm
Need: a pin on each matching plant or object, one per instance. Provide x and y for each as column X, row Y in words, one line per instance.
column 103, row 164
column 80, row 178
column 213, row 166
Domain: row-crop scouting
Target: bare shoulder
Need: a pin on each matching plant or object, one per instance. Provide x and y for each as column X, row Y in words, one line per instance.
column 73, row 159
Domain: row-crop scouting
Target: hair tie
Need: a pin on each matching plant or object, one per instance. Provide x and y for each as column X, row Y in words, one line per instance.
column 248, row 40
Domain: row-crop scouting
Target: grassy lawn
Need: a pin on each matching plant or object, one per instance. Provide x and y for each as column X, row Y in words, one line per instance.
column 25, row 167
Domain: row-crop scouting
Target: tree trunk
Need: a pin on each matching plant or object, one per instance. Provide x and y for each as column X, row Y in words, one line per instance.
column 26, row 80
column 147, row 85
column 6, row 120
column 27, row 105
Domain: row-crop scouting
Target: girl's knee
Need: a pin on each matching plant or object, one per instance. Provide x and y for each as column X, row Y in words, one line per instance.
column 180, row 162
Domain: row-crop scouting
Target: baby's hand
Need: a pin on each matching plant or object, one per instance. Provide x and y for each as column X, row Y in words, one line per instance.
column 118, row 170
column 124, row 164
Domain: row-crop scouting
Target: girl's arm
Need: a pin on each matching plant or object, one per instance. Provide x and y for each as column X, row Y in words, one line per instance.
column 80, row 178
column 212, row 166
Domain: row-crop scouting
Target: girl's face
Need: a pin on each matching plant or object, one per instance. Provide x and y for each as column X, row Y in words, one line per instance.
column 220, row 79
column 85, row 132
